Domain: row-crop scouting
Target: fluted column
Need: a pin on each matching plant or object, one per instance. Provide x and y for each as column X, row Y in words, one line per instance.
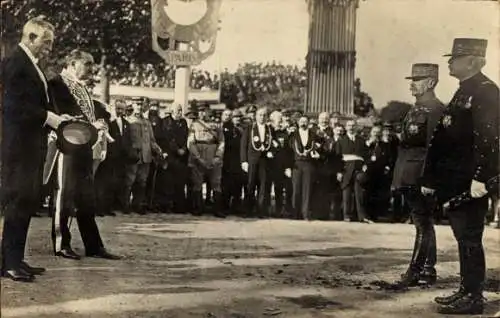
column 331, row 56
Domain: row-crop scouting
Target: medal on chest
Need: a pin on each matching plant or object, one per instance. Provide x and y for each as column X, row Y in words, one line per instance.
column 413, row 129
column 446, row 121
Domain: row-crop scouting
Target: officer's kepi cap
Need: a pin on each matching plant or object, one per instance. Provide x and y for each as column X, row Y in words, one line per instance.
column 423, row 70
column 137, row 100
column 468, row 46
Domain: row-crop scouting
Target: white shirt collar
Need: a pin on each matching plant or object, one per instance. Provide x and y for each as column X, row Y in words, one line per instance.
column 28, row 52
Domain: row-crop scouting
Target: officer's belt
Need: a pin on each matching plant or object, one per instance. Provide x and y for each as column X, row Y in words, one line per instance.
column 351, row 157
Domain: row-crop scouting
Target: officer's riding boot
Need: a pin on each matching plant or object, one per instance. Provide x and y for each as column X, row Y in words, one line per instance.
column 429, row 274
column 468, row 304
column 197, row 203
column 412, row 276
column 446, row 300
column 219, row 210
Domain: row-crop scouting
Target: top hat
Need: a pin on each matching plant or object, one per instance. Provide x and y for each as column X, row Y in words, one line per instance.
column 424, row 70
column 465, row 46
column 75, row 135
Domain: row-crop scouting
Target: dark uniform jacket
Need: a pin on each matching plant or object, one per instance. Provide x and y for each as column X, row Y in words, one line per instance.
column 465, row 143
column 24, row 137
column 416, row 133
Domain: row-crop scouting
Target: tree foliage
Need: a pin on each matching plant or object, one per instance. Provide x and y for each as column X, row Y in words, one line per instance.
column 118, row 28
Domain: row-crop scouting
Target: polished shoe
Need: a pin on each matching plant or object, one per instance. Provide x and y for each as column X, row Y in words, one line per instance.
column 31, row 269
column 408, row 279
column 18, row 275
column 103, row 254
column 446, row 300
column 68, row 253
column 467, row 305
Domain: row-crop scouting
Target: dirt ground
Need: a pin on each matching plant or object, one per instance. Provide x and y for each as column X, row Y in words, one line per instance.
column 182, row 266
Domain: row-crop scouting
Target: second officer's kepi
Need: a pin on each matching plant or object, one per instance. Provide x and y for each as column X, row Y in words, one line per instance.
column 424, row 70
column 468, row 46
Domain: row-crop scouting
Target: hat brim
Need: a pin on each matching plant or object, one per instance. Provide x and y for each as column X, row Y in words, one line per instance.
column 417, row 77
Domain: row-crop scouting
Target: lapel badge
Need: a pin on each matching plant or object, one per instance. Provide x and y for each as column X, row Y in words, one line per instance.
column 374, row 158
column 446, row 121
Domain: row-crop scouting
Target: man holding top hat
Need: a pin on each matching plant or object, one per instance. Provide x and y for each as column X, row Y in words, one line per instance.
column 72, row 163
column 26, row 117
column 462, row 159
column 417, row 128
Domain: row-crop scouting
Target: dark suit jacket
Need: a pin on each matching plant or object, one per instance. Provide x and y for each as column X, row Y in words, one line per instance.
column 297, row 147
column 357, row 147
column 24, row 137
column 118, row 150
column 247, row 152
column 176, row 135
column 232, row 145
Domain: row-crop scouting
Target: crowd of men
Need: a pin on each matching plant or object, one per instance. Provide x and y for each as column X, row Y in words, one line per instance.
column 314, row 169
column 146, row 156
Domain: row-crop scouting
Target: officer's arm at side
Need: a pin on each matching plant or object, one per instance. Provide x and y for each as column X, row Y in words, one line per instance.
column 485, row 116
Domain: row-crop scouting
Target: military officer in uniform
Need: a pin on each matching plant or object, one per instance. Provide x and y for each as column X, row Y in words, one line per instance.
column 462, row 158
column 417, row 128
column 206, row 147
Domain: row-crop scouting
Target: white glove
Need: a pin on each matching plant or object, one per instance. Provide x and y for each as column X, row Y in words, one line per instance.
column 164, row 155
column 478, row 189
column 288, row 172
column 426, row 191
column 339, row 177
column 364, row 168
column 244, row 166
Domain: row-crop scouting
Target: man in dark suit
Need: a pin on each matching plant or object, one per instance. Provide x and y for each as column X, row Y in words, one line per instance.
column 462, row 158
column 305, row 148
column 353, row 149
column 110, row 176
column 26, row 119
column 283, row 159
column 325, row 174
column 76, row 191
column 174, row 142
column 378, row 166
column 232, row 175
column 255, row 152
column 417, row 128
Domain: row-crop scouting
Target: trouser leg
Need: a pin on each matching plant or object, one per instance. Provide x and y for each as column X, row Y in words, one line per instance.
column 360, row 196
column 421, row 211
column 467, row 222
column 14, row 234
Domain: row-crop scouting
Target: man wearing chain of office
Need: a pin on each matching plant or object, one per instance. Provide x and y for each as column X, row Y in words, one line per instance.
column 461, row 161
column 75, row 194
